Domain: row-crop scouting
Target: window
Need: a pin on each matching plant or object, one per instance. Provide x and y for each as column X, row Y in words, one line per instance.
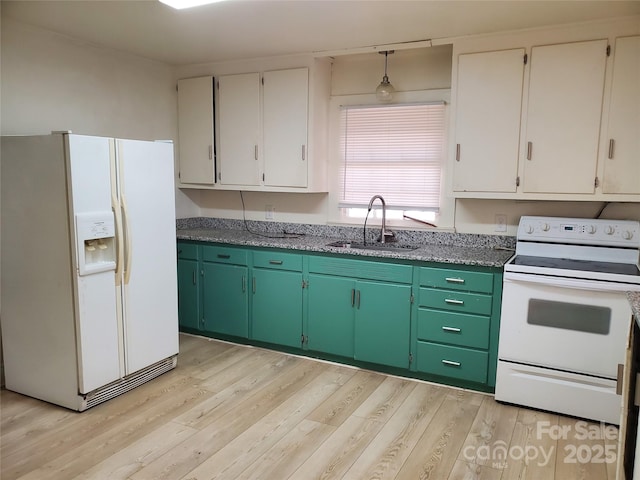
column 395, row 151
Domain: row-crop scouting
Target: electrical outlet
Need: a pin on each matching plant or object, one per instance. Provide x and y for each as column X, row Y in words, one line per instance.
column 501, row 223
column 269, row 212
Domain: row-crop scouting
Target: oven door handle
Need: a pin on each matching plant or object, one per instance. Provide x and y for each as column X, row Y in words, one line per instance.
column 564, row 282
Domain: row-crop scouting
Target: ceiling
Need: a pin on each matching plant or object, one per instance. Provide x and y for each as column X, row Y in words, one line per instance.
column 240, row 29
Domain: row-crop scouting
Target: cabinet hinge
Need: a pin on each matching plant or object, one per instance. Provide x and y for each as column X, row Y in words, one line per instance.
column 304, row 339
column 526, row 58
column 596, row 183
column 517, row 181
column 305, row 284
column 410, row 358
column 202, row 273
column 608, row 50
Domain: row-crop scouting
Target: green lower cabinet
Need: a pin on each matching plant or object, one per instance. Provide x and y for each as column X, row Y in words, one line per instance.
column 188, row 285
column 277, row 307
column 225, row 299
column 455, row 362
column 382, row 323
column 331, row 315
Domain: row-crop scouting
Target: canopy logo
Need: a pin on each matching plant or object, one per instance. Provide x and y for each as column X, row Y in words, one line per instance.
column 582, row 442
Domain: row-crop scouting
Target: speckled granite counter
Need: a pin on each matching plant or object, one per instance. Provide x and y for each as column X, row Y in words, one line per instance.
column 480, row 250
column 634, row 300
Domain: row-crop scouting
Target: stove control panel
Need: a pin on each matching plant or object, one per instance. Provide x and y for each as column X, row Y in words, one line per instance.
column 583, row 231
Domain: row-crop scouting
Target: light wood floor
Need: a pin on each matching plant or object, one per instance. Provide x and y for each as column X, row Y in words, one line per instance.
column 237, row 412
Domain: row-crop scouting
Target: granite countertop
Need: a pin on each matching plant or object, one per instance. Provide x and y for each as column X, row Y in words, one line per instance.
column 486, row 255
column 634, row 300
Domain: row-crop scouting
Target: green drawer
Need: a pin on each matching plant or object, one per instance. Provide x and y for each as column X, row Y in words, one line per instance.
column 187, row 251
column 456, row 301
column 217, row 254
column 361, row 269
column 456, row 280
column 453, row 328
column 278, row 261
column 454, row 362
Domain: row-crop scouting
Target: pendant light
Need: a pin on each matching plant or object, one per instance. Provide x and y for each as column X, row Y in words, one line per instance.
column 385, row 90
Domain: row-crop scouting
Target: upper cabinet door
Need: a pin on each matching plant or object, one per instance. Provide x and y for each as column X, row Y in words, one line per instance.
column 285, row 117
column 621, row 165
column 239, row 131
column 195, row 130
column 488, row 110
column 563, row 117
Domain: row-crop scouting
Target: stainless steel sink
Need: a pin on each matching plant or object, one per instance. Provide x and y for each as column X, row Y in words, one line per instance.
column 389, row 247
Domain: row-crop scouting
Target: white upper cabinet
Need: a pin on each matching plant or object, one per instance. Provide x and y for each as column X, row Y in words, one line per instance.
column 239, row 129
column 195, row 131
column 564, row 110
column 622, row 152
column 285, row 123
column 487, row 125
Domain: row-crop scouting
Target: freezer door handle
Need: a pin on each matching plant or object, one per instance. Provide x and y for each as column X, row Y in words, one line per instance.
column 119, row 235
column 127, row 240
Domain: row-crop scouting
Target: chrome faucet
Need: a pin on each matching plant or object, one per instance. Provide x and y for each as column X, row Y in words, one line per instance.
column 385, row 235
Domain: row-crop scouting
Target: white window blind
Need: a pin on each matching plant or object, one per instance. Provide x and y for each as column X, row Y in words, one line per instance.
column 394, row 151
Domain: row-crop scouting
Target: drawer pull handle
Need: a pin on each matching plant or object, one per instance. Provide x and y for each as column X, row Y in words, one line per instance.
column 451, row 363
column 451, row 301
column 454, row 280
column 221, row 255
column 452, row 329
column 275, row 262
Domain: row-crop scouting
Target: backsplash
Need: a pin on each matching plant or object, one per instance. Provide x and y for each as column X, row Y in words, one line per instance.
column 350, row 233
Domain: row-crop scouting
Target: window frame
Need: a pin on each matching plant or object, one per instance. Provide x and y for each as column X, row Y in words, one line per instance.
column 336, row 214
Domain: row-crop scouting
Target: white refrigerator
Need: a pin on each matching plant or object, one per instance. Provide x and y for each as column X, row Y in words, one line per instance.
column 88, row 275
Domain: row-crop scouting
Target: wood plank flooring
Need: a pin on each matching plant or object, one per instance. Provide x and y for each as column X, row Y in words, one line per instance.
column 237, row 412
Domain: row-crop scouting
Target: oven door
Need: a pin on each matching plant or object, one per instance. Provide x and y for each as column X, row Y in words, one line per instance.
column 566, row 324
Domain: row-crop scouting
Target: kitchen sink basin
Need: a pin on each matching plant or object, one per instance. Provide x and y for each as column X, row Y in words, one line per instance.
column 389, row 247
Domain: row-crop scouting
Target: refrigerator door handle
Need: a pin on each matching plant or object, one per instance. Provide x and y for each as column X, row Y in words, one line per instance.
column 119, row 237
column 127, row 240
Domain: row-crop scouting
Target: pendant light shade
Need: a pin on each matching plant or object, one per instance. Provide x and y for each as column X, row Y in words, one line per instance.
column 385, row 90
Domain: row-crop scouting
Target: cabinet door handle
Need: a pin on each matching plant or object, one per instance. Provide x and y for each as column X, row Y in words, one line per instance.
column 451, row 363
column 194, row 277
column 275, row 262
column 304, row 152
column 619, row 379
column 452, row 301
column 222, row 255
column 452, row 329
column 457, row 152
column 358, row 299
column 611, row 145
column 244, row 284
column 353, row 297
column 210, row 152
column 253, row 285
column 255, row 152
column 529, row 150
column 454, row 280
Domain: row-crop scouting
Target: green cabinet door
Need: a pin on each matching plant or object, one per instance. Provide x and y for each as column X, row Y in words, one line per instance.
column 382, row 331
column 225, row 299
column 331, row 314
column 277, row 307
column 188, row 304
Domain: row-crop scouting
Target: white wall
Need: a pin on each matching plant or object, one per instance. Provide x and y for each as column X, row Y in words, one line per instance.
column 52, row 82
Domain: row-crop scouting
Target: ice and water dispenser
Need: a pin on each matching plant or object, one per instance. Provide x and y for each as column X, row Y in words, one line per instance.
column 96, row 244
